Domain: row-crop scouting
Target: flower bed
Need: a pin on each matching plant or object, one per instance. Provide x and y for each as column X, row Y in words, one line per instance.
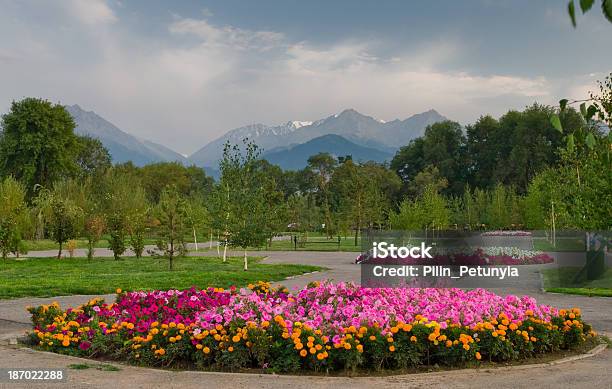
column 322, row 327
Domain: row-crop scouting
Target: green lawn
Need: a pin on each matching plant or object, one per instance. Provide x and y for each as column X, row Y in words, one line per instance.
column 52, row 277
column 346, row 244
column 557, row 280
column 562, row 244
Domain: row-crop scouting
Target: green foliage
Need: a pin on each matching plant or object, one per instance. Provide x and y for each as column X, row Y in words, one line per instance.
column 321, row 167
column 173, row 224
column 137, row 219
column 189, row 181
column 585, row 6
column 115, row 226
column 242, row 185
column 577, row 191
column 61, row 214
column 37, row 145
column 442, row 147
column 12, row 215
column 274, row 205
column 362, row 195
column 93, row 159
column 428, row 211
column 94, row 228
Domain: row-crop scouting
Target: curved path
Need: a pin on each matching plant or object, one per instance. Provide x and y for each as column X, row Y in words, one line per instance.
column 590, row 372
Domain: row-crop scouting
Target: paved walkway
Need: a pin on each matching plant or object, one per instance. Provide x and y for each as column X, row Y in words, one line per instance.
column 592, row 372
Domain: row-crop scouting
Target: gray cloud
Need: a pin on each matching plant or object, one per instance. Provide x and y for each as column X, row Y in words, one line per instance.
column 203, row 78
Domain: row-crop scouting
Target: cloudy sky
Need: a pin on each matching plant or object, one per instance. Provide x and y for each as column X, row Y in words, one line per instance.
column 183, row 72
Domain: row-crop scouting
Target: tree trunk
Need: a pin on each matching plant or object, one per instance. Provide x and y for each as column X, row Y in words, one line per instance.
column 59, row 253
column 210, row 241
column 246, row 265
column 225, row 252
column 195, row 239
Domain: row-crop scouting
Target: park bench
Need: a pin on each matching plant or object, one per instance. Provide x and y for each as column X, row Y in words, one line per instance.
column 303, row 241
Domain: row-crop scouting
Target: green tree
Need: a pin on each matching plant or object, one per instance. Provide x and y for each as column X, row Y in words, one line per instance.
column 429, row 211
column 62, row 216
column 116, row 228
column 13, row 211
column 322, row 166
column 93, row 159
column 246, row 216
column 173, row 225
column 94, row 228
column 119, row 194
column 188, row 181
column 197, row 217
column 443, row 147
column 37, row 145
column 136, row 219
column 429, row 176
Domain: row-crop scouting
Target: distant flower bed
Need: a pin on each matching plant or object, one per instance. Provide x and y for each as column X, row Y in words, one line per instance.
column 506, row 233
column 480, row 256
column 322, row 327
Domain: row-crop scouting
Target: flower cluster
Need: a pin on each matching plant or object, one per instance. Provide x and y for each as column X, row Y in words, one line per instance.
column 515, row 256
column 322, row 327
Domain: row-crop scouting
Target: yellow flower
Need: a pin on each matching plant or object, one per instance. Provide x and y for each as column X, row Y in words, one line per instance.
column 206, row 350
column 392, row 348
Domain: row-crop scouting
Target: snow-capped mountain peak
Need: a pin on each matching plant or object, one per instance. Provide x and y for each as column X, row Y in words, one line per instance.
column 298, row 124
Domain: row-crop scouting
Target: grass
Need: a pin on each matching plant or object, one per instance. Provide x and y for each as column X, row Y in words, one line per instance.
column 48, row 277
column 48, row 244
column 84, row 366
column 562, row 244
column 346, row 244
column 553, row 278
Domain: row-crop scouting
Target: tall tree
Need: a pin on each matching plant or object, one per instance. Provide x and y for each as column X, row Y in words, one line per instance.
column 37, row 145
column 442, row 146
column 62, row 215
column 243, row 194
column 173, row 226
column 13, row 211
column 322, row 166
column 93, row 159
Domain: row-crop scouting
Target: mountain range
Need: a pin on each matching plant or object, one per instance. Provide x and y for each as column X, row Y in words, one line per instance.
column 289, row 145
column 357, row 128
column 296, row 157
column 122, row 146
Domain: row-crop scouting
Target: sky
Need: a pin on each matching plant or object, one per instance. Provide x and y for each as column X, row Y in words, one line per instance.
column 182, row 73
